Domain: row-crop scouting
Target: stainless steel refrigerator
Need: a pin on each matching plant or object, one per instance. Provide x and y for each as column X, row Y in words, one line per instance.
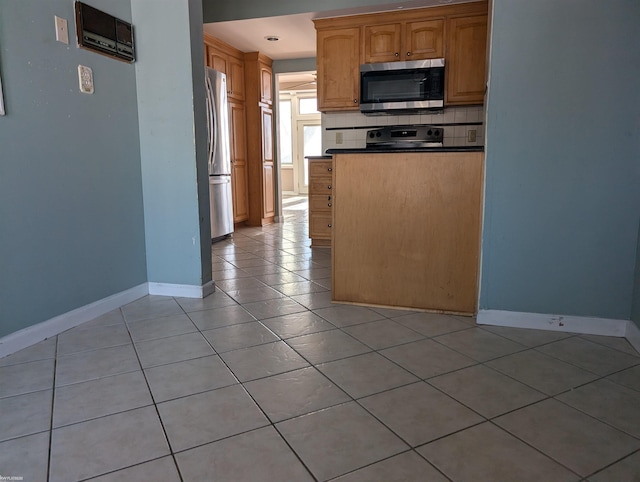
column 219, row 154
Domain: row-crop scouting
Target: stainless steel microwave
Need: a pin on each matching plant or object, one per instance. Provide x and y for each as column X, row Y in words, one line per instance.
column 417, row 85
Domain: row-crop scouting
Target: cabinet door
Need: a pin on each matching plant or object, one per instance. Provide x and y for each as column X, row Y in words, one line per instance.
column 382, row 43
column 217, row 61
column 338, row 57
column 466, row 59
column 266, row 85
column 235, row 78
column 239, row 180
column 268, row 186
column 424, row 40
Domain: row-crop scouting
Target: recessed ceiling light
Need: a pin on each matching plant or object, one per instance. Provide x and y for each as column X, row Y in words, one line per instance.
column 272, row 38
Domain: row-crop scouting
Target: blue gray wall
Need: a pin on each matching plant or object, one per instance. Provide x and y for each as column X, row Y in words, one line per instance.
column 71, row 212
column 171, row 109
column 563, row 158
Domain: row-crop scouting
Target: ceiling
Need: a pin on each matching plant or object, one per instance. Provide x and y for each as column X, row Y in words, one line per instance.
column 296, row 33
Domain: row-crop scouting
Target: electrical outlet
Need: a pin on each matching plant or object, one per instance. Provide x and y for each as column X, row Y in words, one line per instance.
column 338, row 137
column 471, row 135
column 62, row 32
column 85, row 79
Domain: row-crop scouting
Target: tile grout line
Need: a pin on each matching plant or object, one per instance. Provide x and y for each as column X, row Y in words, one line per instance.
column 153, row 400
column 53, row 399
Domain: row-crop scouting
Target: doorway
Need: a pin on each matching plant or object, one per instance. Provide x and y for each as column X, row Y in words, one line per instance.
column 310, row 139
column 299, row 130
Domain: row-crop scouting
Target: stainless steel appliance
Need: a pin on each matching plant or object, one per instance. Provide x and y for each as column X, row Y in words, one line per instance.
column 417, row 85
column 219, row 154
column 405, row 137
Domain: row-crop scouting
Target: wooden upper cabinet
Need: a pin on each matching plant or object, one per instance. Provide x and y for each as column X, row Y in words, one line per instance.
column 338, row 63
column 382, row 43
column 235, row 78
column 466, row 60
column 424, row 39
column 224, row 58
column 404, row 41
column 456, row 33
column 266, row 85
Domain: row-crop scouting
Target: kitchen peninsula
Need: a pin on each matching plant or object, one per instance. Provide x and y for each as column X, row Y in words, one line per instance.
column 406, row 228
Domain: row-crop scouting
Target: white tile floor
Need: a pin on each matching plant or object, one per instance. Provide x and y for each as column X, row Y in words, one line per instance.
column 266, row 380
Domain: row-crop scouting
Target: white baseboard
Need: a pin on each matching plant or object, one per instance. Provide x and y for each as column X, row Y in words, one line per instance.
column 33, row 334
column 182, row 291
column 538, row 321
column 633, row 335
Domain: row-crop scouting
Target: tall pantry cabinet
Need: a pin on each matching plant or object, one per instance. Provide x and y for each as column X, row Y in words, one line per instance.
column 260, row 135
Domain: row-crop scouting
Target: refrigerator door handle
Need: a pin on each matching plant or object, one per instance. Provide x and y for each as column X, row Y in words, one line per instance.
column 210, row 123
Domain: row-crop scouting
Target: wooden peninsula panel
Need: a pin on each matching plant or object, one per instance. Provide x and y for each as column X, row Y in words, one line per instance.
column 406, row 229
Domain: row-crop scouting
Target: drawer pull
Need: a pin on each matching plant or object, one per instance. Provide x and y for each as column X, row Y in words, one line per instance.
column 328, row 198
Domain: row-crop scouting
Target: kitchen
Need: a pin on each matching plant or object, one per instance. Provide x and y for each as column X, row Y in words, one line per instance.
column 459, row 126
column 560, row 228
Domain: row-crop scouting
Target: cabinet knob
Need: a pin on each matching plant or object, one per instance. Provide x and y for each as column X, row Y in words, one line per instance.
column 329, row 204
column 397, row 54
column 329, row 186
column 355, row 101
column 328, row 198
column 328, row 225
column 330, row 169
column 408, row 54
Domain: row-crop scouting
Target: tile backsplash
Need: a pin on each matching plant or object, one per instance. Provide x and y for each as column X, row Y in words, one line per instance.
column 351, row 127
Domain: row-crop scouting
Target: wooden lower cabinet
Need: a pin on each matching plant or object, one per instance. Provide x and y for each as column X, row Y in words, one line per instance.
column 320, row 201
column 410, row 235
column 239, row 179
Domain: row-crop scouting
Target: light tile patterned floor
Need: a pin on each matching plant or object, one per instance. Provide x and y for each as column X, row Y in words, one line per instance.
column 266, row 380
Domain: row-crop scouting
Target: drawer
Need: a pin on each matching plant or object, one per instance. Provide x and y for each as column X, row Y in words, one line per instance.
column 320, row 225
column 321, row 168
column 320, row 202
column 321, row 186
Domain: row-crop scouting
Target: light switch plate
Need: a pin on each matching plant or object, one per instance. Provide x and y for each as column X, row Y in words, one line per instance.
column 85, row 78
column 62, row 32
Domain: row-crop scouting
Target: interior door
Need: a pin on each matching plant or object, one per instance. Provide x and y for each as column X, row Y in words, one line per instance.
column 309, row 144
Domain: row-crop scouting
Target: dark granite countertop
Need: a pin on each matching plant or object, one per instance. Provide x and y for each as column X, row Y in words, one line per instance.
column 327, row 156
column 373, row 150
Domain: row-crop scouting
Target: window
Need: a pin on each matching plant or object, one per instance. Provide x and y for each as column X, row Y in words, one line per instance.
column 308, row 105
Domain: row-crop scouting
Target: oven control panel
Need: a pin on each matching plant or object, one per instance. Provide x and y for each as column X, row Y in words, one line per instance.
column 405, row 136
